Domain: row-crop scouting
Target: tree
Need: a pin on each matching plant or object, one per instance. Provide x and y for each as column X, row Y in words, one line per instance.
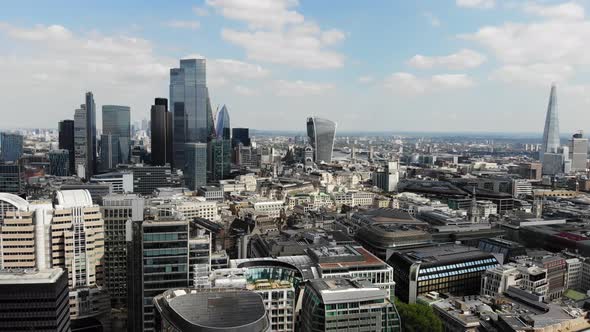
column 418, row 318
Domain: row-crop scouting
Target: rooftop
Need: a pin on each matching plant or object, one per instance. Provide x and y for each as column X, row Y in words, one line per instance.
column 342, row 290
column 29, row 276
column 442, row 253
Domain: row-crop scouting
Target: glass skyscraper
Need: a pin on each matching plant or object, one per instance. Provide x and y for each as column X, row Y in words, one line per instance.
column 80, row 141
column 321, row 134
column 161, row 132
column 11, row 146
column 222, row 125
column 550, row 157
column 190, row 106
column 90, row 135
column 59, row 162
column 195, row 170
column 66, row 141
column 116, row 121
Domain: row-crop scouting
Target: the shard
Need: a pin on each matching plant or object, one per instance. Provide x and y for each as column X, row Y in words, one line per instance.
column 550, row 155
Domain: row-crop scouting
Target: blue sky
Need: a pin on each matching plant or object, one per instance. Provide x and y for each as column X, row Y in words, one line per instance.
column 439, row 65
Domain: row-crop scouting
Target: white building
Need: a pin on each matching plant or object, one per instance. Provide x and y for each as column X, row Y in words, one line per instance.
column 496, row 281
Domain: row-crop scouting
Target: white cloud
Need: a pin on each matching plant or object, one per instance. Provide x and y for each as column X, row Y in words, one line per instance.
column 568, row 10
column 244, row 91
column 482, row 4
column 192, row 25
column 277, row 33
column 295, row 47
column 432, row 19
column 541, row 74
column 200, row 11
column 300, row 88
column 407, row 83
column 366, row 79
column 260, row 13
column 463, row 59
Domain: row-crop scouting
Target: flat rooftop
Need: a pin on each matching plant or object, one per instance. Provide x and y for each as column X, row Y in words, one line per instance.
column 341, row 290
column 29, row 276
column 443, row 253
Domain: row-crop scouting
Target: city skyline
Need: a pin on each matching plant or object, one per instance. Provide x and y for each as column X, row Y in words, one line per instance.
column 484, row 63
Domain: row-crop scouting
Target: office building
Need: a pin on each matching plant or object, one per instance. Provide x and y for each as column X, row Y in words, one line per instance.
column 116, row 121
column 34, row 300
column 17, row 237
column 551, row 141
column 77, row 246
column 342, row 304
column 387, row 178
column 121, row 182
column 161, row 133
column 190, row 106
column 11, row 147
column 116, row 211
column 240, row 136
column 158, row 258
column 578, row 152
column 110, row 152
column 80, row 146
column 148, row 178
column 66, row 141
column 446, row 268
column 199, row 251
column 497, row 281
column 59, row 162
column 222, row 124
column 321, row 133
column 195, row 169
column 12, row 178
column 223, row 310
column 219, row 159
column 91, row 148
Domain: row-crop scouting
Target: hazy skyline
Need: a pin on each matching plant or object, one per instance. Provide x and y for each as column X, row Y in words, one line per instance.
column 449, row 65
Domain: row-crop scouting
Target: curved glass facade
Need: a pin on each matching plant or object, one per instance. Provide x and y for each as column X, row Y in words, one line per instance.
column 321, row 133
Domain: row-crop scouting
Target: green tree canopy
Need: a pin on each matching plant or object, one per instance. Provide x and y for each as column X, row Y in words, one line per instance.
column 418, row 318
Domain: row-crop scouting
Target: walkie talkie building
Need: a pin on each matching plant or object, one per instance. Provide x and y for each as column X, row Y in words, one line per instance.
column 321, row 133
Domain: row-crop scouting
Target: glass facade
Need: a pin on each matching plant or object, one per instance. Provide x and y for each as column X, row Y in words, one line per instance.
column 321, row 134
column 190, row 106
column 195, row 169
column 59, row 162
column 222, row 126
column 220, row 159
column 11, row 146
column 116, row 121
column 161, row 133
column 66, row 141
column 90, row 135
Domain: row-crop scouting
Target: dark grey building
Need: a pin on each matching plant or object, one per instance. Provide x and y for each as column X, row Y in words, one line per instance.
column 216, row 309
column 321, row 133
column 12, row 178
column 91, row 150
column 219, row 159
column 66, row 141
column 158, row 260
column 161, row 133
column 110, row 151
column 32, row 300
column 147, row 178
column 59, row 162
column 240, row 135
column 11, row 146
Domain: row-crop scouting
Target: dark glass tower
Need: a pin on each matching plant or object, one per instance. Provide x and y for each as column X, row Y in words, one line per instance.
column 190, row 106
column 116, row 121
column 66, row 141
column 90, row 135
column 321, row 134
column 11, row 146
column 240, row 135
column 161, row 132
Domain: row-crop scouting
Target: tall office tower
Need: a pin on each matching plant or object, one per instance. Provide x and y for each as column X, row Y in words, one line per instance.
column 116, row 211
column 34, row 301
column 190, row 106
column 158, row 261
column 222, row 124
column 387, row 179
column 11, row 148
column 161, row 133
column 77, row 245
column 66, row 141
column 59, row 162
column 578, row 152
column 12, row 178
column 339, row 303
column 551, row 141
column 219, row 159
column 116, row 121
column 110, row 151
column 90, row 135
column 321, row 133
column 240, row 135
column 195, row 169
column 80, row 147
